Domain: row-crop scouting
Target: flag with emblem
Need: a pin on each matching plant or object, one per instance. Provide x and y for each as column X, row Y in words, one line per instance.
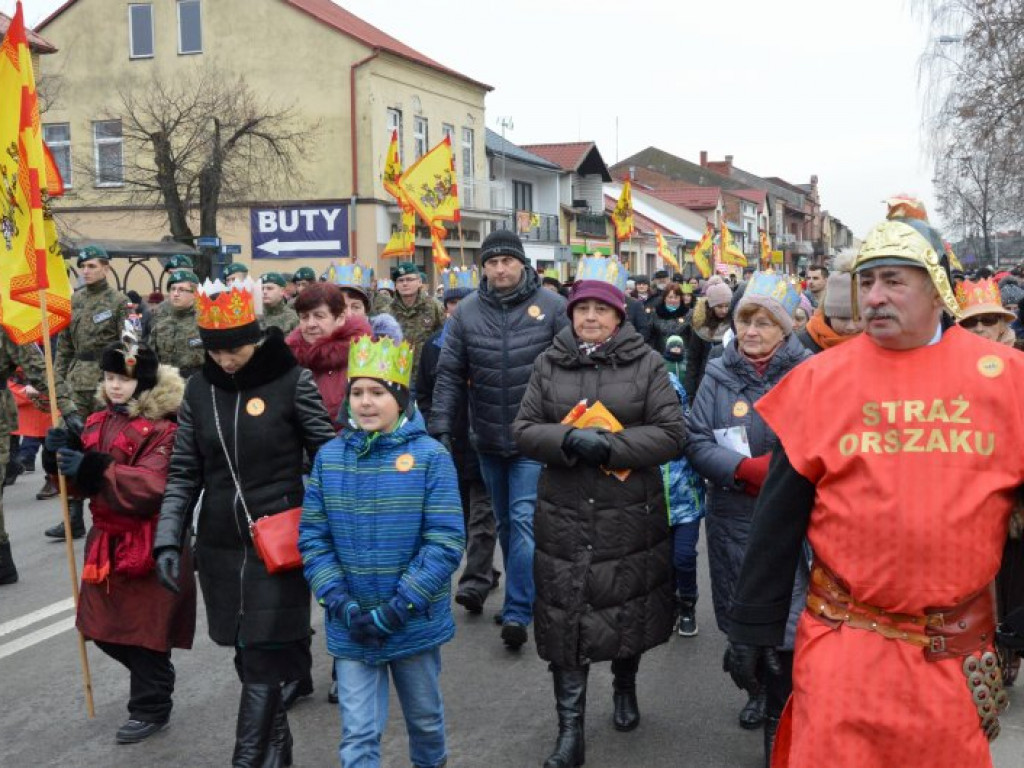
column 429, row 186
column 30, row 257
column 622, row 216
column 730, row 253
column 702, row 252
column 393, row 169
column 403, row 241
column 665, row 252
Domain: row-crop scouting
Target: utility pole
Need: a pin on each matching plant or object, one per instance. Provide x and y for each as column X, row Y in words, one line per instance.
column 505, row 123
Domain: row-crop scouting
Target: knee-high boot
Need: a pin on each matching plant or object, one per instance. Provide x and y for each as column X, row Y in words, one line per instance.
column 571, row 705
column 626, row 715
column 257, row 710
column 279, row 749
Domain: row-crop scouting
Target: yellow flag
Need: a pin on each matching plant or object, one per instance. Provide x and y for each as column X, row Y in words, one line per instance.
column 441, row 257
column 954, row 262
column 622, row 216
column 702, row 252
column 30, row 258
column 393, row 169
column 730, row 253
column 429, row 186
column 403, row 241
column 766, row 250
column 665, row 252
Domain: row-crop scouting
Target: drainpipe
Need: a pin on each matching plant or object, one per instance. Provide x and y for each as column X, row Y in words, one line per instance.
column 355, row 149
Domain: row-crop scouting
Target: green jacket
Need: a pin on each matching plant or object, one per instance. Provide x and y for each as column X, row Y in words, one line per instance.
column 174, row 337
column 419, row 322
column 98, row 313
column 281, row 316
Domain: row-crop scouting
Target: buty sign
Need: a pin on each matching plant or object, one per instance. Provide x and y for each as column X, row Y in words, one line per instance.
column 299, row 232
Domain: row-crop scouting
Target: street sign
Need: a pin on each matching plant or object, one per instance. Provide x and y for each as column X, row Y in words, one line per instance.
column 231, row 248
column 300, row 232
column 208, row 242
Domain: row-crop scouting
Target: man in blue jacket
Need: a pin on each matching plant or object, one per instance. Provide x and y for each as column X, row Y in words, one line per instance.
column 491, row 342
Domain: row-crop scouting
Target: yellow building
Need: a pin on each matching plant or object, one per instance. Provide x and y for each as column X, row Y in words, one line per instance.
column 351, row 82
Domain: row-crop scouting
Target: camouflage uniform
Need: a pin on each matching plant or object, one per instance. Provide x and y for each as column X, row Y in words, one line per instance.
column 175, row 340
column 32, row 363
column 419, row 322
column 98, row 313
column 282, row 316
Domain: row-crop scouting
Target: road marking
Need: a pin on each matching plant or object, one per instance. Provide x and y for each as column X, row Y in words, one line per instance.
column 32, row 638
column 29, row 619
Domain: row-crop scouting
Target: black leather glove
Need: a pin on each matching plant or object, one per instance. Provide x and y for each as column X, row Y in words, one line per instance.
column 446, row 440
column 591, row 446
column 56, row 438
column 75, row 424
column 168, row 568
column 744, row 663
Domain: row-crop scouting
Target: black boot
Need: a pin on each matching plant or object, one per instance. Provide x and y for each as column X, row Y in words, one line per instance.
column 771, row 727
column 294, row 689
column 76, row 508
column 256, row 712
column 571, row 704
column 753, row 713
column 49, row 489
column 279, row 748
column 8, row 573
column 627, row 715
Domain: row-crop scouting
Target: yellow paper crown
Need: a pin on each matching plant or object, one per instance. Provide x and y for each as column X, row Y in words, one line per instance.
column 973, row 294
column 382, row 359
column 220, row 307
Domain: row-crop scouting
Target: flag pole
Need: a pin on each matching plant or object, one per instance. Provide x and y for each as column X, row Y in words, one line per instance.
column 462, row 245
column 69, row 546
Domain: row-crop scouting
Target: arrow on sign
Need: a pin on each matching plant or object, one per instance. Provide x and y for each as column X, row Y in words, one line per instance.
column 275, row 246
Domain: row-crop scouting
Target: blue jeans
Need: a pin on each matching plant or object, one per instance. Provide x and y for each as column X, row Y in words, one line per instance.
column 684, row 559
column 512, row 483
column 363, row 701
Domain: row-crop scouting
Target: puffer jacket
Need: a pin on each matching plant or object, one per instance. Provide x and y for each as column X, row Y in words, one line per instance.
column 726, row 399
column 492, row 342
column 665, row 324
column 684, row 488
column 603, row 561
column 382, row 517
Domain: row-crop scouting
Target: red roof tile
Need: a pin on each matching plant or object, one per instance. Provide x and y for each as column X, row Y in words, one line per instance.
column 694, row 198
column 568, row 157
column 35, row 42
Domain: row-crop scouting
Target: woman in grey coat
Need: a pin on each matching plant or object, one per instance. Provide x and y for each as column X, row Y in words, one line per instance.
column 730, row 445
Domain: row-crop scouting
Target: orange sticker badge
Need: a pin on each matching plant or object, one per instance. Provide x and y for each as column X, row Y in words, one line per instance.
column 255, row 406
column 740, row 409
column 405, row 462
column 990, row 366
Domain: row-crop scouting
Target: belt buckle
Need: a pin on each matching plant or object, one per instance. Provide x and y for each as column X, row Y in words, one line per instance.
column 937, row 644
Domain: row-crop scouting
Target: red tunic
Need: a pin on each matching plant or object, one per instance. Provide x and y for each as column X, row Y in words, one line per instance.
column 915, row 456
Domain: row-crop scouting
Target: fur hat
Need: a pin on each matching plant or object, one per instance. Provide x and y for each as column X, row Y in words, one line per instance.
column 140, row 364
column 502, row 242
column 719, row 294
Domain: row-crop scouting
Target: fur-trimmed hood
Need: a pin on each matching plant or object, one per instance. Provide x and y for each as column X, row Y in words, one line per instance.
column 160, row 402
column 703, row 322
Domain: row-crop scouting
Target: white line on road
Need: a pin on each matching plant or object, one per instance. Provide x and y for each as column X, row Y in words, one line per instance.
column 32, row 638
column 31, row 618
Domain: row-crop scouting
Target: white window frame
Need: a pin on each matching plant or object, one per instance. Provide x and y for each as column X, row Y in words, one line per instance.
column 198, row 4
column 468, row 142
column 96, row 142
column 60, row 147
column 394, row 121
column 131, row 36
column 420, row 137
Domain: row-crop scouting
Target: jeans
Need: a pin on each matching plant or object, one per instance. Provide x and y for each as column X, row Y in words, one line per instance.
column 512, row 483
column 684, row 559
column 363, row 701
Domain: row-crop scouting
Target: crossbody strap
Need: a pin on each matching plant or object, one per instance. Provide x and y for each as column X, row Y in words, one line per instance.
column 227, row 457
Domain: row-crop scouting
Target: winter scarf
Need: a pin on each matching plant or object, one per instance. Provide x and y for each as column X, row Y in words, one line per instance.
column 822, row 333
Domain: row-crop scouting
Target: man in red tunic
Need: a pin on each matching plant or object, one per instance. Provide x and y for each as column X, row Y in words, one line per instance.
column 899, row 461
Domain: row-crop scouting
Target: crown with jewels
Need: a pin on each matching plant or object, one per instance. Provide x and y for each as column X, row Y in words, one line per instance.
column 350, row 274
column 774, row 286
column 383, row 359
column 220, row 307
column 460, row 277
column 604, row 269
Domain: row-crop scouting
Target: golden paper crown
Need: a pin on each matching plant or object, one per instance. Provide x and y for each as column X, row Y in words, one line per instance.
column 221, row 307
column 382, row 359
column 981, row 298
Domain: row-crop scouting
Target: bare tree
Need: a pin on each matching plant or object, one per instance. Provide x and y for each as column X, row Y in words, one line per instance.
column 193, row 144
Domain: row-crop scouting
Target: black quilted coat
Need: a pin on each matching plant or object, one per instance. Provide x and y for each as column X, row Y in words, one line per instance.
column 603, row 563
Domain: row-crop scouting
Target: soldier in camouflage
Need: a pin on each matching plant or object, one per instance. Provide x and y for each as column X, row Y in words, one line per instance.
column 419, row 315
column 176, row 262
column 98, row 314
column 302, row 277
column 32, row 363
column 276, row 311
column 175, row 334
column 235, row 272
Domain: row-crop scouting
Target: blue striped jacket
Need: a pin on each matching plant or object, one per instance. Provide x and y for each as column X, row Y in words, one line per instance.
column 383, row 517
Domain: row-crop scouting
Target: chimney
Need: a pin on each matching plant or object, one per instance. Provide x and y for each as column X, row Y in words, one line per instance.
column 632, row 173
column 814, row 180
column 703, row 158
column 728, row 161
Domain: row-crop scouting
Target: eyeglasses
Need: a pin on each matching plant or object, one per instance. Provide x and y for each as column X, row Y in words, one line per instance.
column 176, row 289
column 987, row 320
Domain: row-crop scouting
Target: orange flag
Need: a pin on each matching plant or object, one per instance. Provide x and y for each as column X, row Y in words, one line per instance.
column 730, row 253
column 30, row 258
column 429, row 186
column 665, row 252
column 441, row 258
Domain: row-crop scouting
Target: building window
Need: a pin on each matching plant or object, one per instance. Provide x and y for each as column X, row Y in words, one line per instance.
column 58, row 138
column 466, row 188
column 420, row 139
column 190, row 28
column 522, row 194
column 395, row 124
column 108, row 144
column 448, row 132
column 140, row 31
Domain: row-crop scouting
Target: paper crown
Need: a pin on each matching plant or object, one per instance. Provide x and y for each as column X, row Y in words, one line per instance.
column 459, row 277
column 981, row 297
column 382, row 359
column 350, row 274
column 220, row 307
column 774, row 286
column 603, row 269
column 383, row 284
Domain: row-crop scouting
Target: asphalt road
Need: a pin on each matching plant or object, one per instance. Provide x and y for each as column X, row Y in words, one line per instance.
column 499, row 707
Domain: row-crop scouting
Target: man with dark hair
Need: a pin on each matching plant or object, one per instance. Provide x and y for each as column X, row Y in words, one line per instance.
column 817, row 275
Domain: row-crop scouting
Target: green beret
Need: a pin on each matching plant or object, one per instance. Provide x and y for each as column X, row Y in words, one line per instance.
column 304, row 273
column 234, row 269
column 179, row 261
column 92, row 252
column 403, row 269
column 273, row 277
column 182, row 276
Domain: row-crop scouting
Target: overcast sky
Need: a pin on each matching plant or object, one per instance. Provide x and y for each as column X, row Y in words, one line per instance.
column 790, row 88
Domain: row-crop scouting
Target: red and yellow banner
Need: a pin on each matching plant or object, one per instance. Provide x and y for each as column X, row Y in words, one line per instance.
column 622, row 216
column 30, row 257
column 441, row 258
column 728, row 250
column 665, row 252
column 403, row 241
column 429, row 186
column 702, row 252
column 766, row 250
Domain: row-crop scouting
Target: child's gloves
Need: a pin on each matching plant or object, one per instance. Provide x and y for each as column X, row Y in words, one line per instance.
column 374, row 627
column 339, row 606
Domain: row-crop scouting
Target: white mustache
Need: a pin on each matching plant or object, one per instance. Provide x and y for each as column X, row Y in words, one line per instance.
column 878, row 314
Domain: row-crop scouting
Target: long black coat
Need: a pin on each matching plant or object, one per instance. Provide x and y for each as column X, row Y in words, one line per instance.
column 271, row 414
column 665, row 324
column 603, row 562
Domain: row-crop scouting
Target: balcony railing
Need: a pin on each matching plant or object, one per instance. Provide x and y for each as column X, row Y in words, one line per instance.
column 591, row 225
column 538, row 227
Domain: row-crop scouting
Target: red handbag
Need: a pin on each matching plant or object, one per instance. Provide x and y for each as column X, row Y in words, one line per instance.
column 276, row 539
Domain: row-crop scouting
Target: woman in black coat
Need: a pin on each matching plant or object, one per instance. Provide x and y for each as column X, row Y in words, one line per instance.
column 253, row 414
column 603, row 560
column 669, row 318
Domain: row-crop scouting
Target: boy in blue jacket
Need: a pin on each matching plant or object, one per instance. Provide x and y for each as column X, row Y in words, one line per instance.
column 381, row 536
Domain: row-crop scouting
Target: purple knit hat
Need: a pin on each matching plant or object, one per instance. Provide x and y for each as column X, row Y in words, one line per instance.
column 600, row 290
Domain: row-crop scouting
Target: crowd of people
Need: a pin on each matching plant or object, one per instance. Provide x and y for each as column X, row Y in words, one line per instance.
column 585, row 430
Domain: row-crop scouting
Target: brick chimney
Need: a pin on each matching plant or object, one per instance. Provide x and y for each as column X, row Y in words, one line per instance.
column 704, row 158
column 728, row 162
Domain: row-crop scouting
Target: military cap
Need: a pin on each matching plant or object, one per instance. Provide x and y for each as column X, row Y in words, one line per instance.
column 90, row 252
column 273, row 277
column 403, row 269
column 182, row 276
column 304, row 273
column 179, row 261
column 236, row 268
